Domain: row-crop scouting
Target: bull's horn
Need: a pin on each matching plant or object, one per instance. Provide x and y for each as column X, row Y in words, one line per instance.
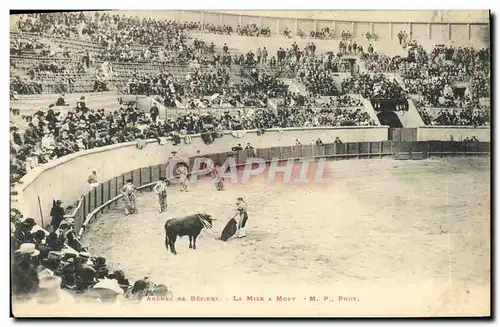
column 214, row 219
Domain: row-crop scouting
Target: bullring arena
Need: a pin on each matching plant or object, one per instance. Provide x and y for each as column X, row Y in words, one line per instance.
column 401, row 228
column 379, row 222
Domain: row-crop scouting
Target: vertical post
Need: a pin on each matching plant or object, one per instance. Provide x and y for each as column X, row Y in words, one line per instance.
column 109, row 192
column 353, row 29
column 116, row 187
column 469, row 31
column 240, row 21
column 371, row 27
column 358, row 146
column 409, row 29
column 102, row 194
column 381, row 148
column 84, row 206
column 369, row 150
column 277, row 26
column 220, row 19
column 334, row 25
column 390, row 31
column 260, row 21
column 140, row 177
column 90, row 202
column 449, row 32
column 296, row 26
column 315, row 25
column 429, row 31
column 41, row 212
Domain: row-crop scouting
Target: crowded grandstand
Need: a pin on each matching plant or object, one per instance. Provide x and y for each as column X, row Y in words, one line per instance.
column 210, row 88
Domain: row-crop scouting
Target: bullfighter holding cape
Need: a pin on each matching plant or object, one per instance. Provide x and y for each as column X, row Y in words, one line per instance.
column 237, row 226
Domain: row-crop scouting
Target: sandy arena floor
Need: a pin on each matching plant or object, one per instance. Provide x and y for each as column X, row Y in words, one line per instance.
column 398, row 235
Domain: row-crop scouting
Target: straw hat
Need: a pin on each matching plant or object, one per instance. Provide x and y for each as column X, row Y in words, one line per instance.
column 28, row 248
column 109, row 284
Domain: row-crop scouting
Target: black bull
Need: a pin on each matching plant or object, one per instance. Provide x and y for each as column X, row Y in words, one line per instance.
column 190, row 225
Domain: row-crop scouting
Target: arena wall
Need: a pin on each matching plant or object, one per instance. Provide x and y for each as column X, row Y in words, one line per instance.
column 66, row 178
column 452, row 133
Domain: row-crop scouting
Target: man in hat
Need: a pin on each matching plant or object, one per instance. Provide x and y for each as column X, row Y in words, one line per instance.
column 93, row 180
column 241, row 211
column 82, row 259
column 85, row 278
column 161, row 191
column 24, row 278
column 128, row 191
column 57, row 214
column 81, row 105
column 154, row 112
column 54, row 243
column 138, row 291
column 23, row 231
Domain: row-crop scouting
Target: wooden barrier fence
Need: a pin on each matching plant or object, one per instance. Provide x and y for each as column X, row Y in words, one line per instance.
column 105, row 195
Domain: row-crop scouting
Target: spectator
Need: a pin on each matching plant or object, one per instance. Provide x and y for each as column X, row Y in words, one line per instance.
column 154, row 113
column 93, row 180
column 57, row 214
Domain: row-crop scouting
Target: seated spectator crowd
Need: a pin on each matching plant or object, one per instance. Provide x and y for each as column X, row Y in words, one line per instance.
column 54, row 267
column 50, row 135
column 452, row 117
column 376, row 86
column 433, row 74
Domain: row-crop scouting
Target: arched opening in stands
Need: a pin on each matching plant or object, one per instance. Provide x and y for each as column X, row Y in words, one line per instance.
column 389, row 118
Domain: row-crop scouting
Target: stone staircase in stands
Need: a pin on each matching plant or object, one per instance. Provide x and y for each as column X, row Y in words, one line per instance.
column 412, row 117
column 295, row 86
